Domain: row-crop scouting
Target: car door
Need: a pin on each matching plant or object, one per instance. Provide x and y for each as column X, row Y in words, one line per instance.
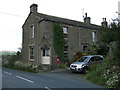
column 98, row 59
column 91, row 61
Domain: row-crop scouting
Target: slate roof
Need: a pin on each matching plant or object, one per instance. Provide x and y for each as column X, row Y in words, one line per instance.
column 67, row 21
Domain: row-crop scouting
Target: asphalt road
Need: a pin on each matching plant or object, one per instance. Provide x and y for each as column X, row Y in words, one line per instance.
column 56, row 79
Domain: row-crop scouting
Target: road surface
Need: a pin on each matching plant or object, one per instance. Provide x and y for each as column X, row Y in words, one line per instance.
column 48, row 80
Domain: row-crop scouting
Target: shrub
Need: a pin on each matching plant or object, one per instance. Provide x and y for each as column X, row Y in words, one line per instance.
column 21, row 66
column 76, row 57
column 105, row 74
column 109, row 72
column 26, row 67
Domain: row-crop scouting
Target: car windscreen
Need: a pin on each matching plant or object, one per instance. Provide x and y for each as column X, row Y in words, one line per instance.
column 82, row 59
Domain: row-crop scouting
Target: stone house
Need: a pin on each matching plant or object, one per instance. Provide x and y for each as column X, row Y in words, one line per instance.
column 37, row 39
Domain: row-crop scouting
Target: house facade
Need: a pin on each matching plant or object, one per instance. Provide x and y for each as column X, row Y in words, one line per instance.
column 37, row 38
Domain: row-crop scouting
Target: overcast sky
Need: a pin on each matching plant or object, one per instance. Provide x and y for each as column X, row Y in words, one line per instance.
column 14, row 12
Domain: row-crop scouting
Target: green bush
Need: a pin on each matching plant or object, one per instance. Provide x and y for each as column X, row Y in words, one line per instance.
column 76, row 57
column 26, row 67
column 106, row 74
column 13, row 61
column 21, row 66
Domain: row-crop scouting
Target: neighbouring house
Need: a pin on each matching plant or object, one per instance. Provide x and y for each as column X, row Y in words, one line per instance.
column 37, row 38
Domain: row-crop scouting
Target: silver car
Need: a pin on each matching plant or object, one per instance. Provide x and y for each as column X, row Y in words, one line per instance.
column 84, row 63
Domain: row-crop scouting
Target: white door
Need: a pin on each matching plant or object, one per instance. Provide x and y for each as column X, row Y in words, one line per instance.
column 45, row 56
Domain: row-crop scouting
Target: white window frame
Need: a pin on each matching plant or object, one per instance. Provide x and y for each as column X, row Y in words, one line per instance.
column 93, row 36
column 33, row 51
column 46, row 53
column 32, row 31
column 65, row 30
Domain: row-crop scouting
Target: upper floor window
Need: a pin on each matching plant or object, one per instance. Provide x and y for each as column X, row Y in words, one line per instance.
column 32, row 31
column 65, row 48
column 65, row 32
column 93, row 36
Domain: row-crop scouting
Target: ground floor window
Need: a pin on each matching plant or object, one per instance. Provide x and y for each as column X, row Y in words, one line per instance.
column 85, row 47
column 65, row 55
column 65, row 52
column 31, row 51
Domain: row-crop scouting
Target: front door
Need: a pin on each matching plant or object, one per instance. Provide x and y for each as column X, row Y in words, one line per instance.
column 45, row 56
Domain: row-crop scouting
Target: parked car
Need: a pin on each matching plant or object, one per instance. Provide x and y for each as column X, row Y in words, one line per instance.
column 84, row 63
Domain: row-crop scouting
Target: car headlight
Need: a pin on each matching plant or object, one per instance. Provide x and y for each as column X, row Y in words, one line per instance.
column 80, row 65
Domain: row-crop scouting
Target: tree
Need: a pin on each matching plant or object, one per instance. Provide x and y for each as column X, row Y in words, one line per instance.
column 110, row 34
column 111, row 37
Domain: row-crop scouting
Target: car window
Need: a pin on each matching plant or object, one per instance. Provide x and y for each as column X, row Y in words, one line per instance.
column 82, row 59
column 97, row 58
column 92, row 59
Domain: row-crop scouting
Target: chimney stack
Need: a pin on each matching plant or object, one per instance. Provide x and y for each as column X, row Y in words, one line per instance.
column 104, row 23
column 87, row 19
column 33, row 8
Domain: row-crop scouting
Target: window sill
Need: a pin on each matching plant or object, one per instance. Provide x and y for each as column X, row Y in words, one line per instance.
column 31, row 59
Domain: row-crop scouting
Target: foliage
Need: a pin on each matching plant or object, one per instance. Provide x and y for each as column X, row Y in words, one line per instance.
column 58, row 41
column 13, row 58
column 93, row 49
column 107, row 35
column 7, row 53
column 25, row 67
column 109, row 70
column 76, row 57
column 116, row 51
column 110, row 34
column 14, row 62
column 103, row 49
column 97, row 49
column 21, row 66
column 105, row 74
column 63, row 66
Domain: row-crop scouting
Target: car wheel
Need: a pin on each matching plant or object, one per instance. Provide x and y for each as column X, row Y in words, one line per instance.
column 84, row 70
column 73, row 71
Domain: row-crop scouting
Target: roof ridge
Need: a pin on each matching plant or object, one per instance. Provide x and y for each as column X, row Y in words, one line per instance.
column 67, row 21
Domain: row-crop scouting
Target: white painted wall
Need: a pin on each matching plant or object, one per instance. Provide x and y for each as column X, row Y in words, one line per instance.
column 45, row 60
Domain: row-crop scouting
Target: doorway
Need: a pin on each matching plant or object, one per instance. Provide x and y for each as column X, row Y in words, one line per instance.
column 45, row 56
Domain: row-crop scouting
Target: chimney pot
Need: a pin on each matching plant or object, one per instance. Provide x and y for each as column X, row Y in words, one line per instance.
column 85, row 14
column 87, row 19
column 105, row 19
column 104, row 23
